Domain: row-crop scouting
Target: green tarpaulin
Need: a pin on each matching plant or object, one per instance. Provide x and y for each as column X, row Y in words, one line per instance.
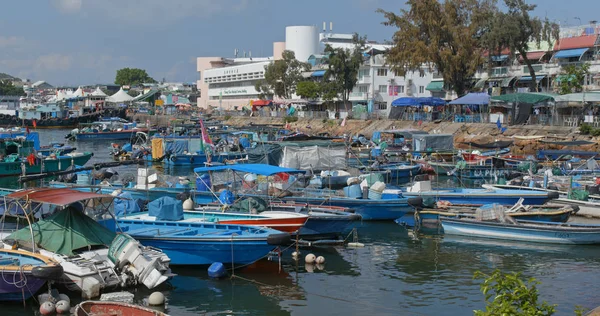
column 64, row 232
column 531, row 98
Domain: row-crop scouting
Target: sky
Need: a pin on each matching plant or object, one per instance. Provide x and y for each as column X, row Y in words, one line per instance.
column 81, row 42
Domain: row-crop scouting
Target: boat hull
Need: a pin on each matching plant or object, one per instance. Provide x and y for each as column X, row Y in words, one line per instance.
column 25, row 276
column 478, row 196
column 48, row 165
column 120, row 135
column 526, row 233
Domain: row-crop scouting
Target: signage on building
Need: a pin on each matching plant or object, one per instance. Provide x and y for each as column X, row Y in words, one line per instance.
column 235, row 91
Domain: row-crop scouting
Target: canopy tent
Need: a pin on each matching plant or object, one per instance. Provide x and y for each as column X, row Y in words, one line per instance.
column 415, row 101
column 99, row 93
column 473, row 98
column 78, row 93
column 60, row 95
column 531, row 98
column 120, row 97
column 579, row 97
column 262, row 102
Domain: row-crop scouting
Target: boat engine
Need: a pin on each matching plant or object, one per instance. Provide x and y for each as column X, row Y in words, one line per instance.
column 145, row 265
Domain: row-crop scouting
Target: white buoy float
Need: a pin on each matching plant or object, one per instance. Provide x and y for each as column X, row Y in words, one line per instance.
column 309, row 267
column 310, row 258
column 47, row 308
column 320, row 266
column 295, row 255
column 320, row 260
column 64, row 297
column 156, row 298
column 188, row 204
column 63, row 307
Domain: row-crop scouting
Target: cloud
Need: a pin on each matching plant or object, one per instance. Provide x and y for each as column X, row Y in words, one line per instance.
column 67, row 6
column 11, row 41
column 149, row 11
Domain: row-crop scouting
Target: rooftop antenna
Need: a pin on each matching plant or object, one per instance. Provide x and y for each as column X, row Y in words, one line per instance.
column 331, row 27
column 235, row 52
column 324, row 26
column 250, row 53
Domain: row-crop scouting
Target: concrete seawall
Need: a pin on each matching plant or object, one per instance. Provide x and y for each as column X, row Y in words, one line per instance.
column 477, row 132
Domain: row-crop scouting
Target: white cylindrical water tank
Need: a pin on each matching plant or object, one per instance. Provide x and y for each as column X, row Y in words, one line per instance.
column 302, row 40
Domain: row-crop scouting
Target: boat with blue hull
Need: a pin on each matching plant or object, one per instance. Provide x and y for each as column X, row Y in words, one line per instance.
column 198, row 243
column 526, row 231
column 476, row 196
column 25, row 273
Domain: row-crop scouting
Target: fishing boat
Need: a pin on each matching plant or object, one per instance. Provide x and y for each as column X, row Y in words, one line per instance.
column 19, row 166
column 93, row 258
column 527, row 231
column 102, row 308
column 193, row 241
column 376, row 208
column 488, row 195
column 398, row 172
column 24, row 273
column 107, row 130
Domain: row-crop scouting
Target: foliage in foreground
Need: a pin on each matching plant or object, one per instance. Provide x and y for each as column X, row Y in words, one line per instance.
column 508, row 294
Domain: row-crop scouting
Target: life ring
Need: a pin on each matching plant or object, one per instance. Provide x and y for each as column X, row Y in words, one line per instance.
column 1, row 116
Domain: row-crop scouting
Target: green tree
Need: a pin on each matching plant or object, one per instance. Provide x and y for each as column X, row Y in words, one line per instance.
column 7, row 88
column 308, row 90
column 441, row 35
column 515, row 29
column 343, row 65
column 282, row 76
column 132, row 77
column 573, row 78
column 508, row 294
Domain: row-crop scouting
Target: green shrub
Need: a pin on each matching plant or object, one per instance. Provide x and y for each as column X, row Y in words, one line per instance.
column 585, row 129
column 290, row 119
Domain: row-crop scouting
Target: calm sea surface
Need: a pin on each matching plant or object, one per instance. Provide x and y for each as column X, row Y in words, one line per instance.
column 396, row 273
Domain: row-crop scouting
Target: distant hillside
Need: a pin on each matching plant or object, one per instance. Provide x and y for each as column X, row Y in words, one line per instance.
column 6, row 76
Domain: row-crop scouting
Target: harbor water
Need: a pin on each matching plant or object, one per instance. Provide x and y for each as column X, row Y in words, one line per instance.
column 398, row 272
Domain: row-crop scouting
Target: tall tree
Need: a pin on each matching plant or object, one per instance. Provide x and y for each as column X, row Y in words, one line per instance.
column 442, row 35
column 282, row 76
column 7, row 88
column 573, row 78
column 308, row 89
column 132, row 77
column 343, row 67
column 516, row 29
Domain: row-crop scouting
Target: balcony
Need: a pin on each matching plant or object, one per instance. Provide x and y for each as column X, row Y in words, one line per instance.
column 365, row 80
column 358, row 96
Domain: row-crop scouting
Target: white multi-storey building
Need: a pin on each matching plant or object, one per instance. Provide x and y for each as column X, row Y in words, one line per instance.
column 229, row 83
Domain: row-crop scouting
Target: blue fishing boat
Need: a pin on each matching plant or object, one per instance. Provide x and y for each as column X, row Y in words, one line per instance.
column 399, row 172
column 196, row 242
column 487, row 195
column 25, row 273
column 526, row 231
column 388, row 208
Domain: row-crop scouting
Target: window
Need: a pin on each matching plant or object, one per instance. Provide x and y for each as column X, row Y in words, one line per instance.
column 421, row 89
column 421, row 73
column 363, row 89
column 400, row 89
column 382, row 106
column 397, row 73
column 382, row 72
column 382, row 89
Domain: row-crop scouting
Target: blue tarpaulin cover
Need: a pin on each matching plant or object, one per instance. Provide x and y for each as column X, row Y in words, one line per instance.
column 166, row 209
column 176, row 147
column 125, row 205
column 473, row 98
column 260, row 169
column 35, row 138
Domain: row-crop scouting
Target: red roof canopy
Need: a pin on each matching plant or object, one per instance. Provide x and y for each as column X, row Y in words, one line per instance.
column 262, row 102
column 585, row 41
column 56, row 196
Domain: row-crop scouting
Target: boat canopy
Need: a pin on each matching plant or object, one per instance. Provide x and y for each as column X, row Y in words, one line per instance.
column 65, row 232
column 56, row 196
column 260, row 169
column 496, row 144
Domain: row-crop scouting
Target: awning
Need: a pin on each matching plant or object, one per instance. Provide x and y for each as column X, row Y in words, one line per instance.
column 262, row 102
column 435, row 86
column 473, row 99
column 524, row 97
column 570, row 53
column 534, row 56
column 318, row 73
column 506, row 81
column 528, row 78
column 480, row 84
column 563, row 77
column 499, row 58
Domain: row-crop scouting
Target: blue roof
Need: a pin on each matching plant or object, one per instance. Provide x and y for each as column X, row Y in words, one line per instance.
column 569, row 53
column 318, row 73
column 414, row 101
column 260, row 169
column 473, row 98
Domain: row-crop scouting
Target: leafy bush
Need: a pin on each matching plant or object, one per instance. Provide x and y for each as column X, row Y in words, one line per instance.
column 290, row 119
column 585, row 129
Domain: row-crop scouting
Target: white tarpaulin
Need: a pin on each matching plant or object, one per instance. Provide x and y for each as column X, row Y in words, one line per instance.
column 314, row 157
